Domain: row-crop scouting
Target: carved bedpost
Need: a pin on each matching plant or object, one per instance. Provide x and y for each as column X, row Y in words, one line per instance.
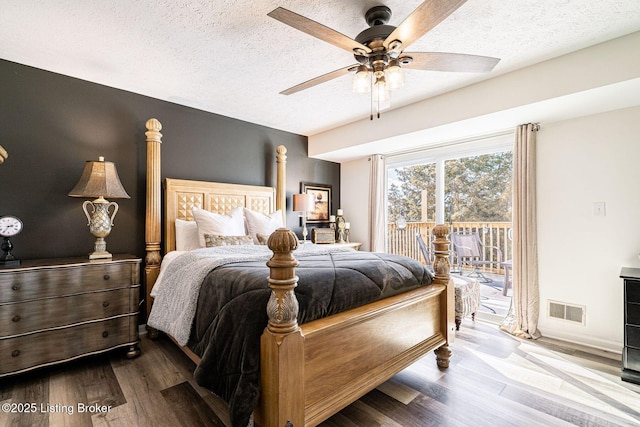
column 442, row 268
column 282, row 343
column 153, row 223
column 281, row 182
column 282, row 307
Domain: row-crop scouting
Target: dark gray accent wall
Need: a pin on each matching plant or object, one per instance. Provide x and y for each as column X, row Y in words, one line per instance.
column 51, row 124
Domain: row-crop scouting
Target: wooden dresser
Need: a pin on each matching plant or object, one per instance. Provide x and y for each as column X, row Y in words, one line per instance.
column 631, row 350
column 56, row 310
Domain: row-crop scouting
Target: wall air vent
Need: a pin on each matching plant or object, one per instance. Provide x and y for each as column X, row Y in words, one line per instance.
column 569, row 312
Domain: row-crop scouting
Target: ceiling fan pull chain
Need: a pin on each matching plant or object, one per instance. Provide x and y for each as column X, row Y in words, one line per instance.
column 371, row 84
column 378, row 96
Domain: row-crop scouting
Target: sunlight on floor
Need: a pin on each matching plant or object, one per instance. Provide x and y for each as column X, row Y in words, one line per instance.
column 553, row 373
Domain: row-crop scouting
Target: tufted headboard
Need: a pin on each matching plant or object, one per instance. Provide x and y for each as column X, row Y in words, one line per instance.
column 182, row 195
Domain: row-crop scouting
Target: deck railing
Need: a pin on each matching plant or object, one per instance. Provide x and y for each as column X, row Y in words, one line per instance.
column 403, row 241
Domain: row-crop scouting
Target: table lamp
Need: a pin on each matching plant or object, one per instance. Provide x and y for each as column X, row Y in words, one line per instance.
column 304, row 203
column 99, row 179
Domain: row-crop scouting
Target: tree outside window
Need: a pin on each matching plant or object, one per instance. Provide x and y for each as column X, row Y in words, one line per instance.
column 477, row 188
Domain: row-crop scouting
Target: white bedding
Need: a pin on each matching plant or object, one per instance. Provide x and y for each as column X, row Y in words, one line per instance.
column 178, row 285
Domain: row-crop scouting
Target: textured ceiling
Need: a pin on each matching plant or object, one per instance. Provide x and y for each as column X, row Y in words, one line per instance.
column 228, row 57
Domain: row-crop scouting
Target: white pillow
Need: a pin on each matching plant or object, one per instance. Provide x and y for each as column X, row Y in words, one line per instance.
column 213, row 223
column 259, row 223
column 186, row 235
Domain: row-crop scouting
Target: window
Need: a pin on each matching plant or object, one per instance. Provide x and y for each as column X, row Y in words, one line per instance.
column 478, row 188
column 466, row 185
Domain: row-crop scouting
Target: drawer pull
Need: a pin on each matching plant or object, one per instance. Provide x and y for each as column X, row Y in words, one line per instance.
column 16, row 318
column 16, row 286
column 15, row 353
column 105, row 277
column 105, row 334
column 105, row 304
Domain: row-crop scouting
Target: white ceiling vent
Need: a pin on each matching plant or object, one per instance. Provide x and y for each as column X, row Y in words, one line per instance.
column 569, row 312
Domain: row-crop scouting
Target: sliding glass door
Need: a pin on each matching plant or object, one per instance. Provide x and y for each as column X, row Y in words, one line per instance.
column 465, row 185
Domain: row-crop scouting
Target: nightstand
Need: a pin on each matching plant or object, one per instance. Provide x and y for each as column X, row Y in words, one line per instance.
column 57, row 310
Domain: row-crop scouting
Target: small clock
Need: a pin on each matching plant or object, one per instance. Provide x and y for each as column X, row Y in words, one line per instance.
column 9, row 227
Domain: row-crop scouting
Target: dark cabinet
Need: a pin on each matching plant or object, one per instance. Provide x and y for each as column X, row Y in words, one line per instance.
column 631, row 351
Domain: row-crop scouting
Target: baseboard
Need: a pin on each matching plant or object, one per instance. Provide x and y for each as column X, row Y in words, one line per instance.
column 586, row 341
column 580, row 340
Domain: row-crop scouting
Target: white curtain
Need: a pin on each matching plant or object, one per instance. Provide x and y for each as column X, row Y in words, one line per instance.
column 377, row 204
column 522, row 319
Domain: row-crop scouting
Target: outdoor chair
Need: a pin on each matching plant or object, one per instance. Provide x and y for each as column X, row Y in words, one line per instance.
column 468, row 249
column 426, row 253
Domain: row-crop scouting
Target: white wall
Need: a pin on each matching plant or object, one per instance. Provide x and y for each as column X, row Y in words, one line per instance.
column 354, row 197
column 582, row 161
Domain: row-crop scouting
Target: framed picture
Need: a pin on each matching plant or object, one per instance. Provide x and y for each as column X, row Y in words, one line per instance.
column 322, row 196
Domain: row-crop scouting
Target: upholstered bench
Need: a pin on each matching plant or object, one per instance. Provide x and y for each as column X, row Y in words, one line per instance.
column 467, row 298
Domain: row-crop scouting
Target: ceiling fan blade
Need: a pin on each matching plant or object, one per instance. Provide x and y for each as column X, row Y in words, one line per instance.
column 317, row 30
column 442, row 61
column 318, row 80
column 429, row 14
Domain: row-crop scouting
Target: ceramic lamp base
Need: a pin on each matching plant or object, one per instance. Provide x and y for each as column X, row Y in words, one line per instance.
column 100, row 255
column 100, row 250
column 100, row 223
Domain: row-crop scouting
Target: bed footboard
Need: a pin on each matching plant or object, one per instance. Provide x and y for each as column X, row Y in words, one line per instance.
column 311, row 372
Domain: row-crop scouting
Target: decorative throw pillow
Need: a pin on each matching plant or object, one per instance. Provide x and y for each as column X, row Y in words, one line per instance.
column 217, row 240
column 262, row 238
column 224, row 225
column 259, row 223
column 186, row 235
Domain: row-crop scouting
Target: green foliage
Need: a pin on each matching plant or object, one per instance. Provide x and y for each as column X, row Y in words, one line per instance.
column 407, row 197
column 476, row 189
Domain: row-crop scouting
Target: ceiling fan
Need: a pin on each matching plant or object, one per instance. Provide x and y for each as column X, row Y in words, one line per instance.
column 380, row 49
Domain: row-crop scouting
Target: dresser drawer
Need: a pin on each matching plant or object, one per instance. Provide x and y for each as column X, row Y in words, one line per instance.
column 43, row 348
column 48, row 282
column 633, row 314
column 631, row 359
column 49, row 313
column 632, row 336
column 632, row 291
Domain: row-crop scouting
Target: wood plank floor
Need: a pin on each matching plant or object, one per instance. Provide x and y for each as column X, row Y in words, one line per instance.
column 494, row 380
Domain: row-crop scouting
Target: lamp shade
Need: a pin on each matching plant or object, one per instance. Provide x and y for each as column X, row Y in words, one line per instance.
column 99, row 179
column 304, row 202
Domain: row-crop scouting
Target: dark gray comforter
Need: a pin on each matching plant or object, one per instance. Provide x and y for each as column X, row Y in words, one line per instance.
column 231, row 313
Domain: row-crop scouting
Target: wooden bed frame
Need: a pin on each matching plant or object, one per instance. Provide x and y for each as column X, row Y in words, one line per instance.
column 310, row 371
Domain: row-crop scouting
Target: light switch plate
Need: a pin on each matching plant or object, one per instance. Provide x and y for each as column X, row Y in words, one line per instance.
column 599, row 209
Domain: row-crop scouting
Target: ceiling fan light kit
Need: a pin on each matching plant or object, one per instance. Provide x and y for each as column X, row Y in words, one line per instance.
column 379, row 50
column 362, row 80
column 394, row 75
